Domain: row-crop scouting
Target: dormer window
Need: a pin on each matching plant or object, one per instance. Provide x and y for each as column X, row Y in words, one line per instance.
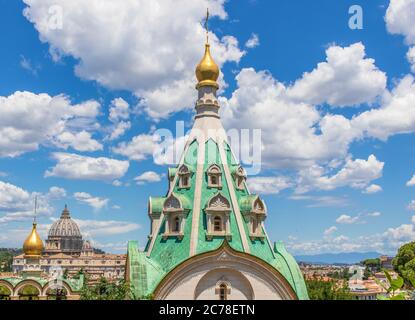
column 254, row 212
column 184, row 177
column 240, row 177
column 217, row 211
column 214, row 175
column 175, row 212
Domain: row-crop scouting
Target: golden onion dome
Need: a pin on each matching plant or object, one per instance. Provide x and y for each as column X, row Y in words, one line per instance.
column 207, row 71
column 33, row 245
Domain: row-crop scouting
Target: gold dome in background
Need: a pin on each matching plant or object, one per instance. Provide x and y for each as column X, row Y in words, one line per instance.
column 33, row 245
column 207, row 72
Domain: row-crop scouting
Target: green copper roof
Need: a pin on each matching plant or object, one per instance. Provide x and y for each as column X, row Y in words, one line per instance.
column 162, row 254
column 156, row 204
column 75, row 284
column 246, row 203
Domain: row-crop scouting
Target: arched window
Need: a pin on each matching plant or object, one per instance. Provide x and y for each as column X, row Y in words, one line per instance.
column 176, row 224
column 184, row 177
column 223, row 291
column 254, row 226
column 214, row 175
column 217, row 224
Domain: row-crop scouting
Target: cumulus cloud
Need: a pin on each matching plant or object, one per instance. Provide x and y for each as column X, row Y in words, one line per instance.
column 373, row 188
column 295, row 142
column 17, row 204
column 347, row 78
column 29, row 120
column 56, row 193
column 411, row 182
column 253, row 41
column 94, row 202
column 268, row 185
column 411, row 206
column 400, row 19
column 147, row 177
column 74, row 166
column 410, row 55
column 355, row 173
column 153, row 65
column 395, row 116
column 330, row 230
column 139, row 148
column 119, row 113
column 346, row 219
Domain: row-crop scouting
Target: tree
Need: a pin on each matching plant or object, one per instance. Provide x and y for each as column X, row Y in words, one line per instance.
column 327, row 290
column 372, row 264
column 404, row 262
column 105, row 290
column 393, row 286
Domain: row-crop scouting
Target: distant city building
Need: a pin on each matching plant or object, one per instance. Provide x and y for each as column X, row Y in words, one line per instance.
column 386, row 262
column 32, row 283
column 66, row 249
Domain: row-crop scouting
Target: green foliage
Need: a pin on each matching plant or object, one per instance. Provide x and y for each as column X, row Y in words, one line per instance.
column 6, row 258
column 404, row 262
column 391, row 288
column 372, row 265
column 327, row 290
column 105, row 290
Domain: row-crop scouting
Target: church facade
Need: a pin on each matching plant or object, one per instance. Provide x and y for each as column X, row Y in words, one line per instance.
column 207, row 238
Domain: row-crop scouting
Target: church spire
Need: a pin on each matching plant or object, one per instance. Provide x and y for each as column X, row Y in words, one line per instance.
column 207, row 71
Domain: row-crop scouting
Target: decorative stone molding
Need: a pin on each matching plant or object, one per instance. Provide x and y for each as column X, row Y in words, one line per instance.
column 218, row 209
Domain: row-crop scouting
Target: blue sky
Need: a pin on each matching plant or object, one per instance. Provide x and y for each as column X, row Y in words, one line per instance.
column 83, row 95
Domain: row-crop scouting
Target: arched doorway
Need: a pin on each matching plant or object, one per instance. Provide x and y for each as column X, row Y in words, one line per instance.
column 5, row 292
column 28, row 292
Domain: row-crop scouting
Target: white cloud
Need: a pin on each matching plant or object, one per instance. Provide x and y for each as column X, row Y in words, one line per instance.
column 373, row 188
column 139, row 148
column 411, row 182
column 154, row 62
column 56, row 193
column 74, row 166
column 346, row 219
column 268, row 185
column 81, row 141
column 147, row 177
column 96, row 228
column 411, row 205
column 253, row 41
column 94, row 202
column 29, row 120
column 355, row 173
column 346, row 79
column 27, row 65
column 330, row 230
column 117, row 183
column 386, row 242
column 18, row 204
column 395, row 116
column 374, row 214
column 321, row 201
column 410, row 55
column 119, row 110
column 119, row 113
column 295, row 142
column 400, row 19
